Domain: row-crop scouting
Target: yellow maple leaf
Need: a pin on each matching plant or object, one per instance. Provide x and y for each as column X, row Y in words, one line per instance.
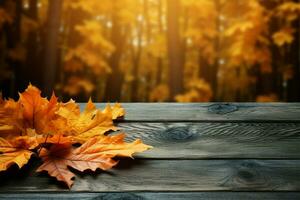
column 91, row 122
column 116, row 111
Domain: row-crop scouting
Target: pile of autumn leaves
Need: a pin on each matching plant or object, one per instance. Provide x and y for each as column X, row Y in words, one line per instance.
column 61, row 135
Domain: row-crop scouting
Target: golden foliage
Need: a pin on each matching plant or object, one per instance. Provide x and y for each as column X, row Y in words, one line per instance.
column 235, row 36
column 77, row 85
column 160, row 93
column 288, row 10
column 267, row 98
column 228, row 40
column 198, row 91
column 4, row 17
column 284, row 36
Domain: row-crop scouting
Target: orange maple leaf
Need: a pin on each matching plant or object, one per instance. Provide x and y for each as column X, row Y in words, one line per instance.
column 31, row 111
column 94, row 153
column 55, row 139
column 115, row 146
column 16, row 151
column 37, row 111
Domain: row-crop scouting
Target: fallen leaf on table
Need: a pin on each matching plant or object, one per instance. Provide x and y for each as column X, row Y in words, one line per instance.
column 93, row 154
column 62, row 135
column 60, row 156
column 116, row 110
column 115, row 146
column 90, row 123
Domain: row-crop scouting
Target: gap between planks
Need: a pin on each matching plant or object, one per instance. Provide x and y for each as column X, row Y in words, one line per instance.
column 210, row 111
column 156, row 195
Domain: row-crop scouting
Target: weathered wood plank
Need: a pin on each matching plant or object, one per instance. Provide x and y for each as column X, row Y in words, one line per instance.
column 210, row 111
column 217, row 140
column 171, row 175
column 155, row 196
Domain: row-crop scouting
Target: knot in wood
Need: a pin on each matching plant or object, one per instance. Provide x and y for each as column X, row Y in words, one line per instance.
column 251, row 174
column 120, row 196
column 223, row 108
column 246, row 174
column 177, row 134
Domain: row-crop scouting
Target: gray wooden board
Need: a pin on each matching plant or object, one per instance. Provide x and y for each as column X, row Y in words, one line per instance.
column 155, row 196
column 202, row 151
column 210, row 111
column 216, row 140
column 170, row 175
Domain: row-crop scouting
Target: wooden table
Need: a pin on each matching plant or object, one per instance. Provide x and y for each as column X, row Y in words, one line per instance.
column 202, row 151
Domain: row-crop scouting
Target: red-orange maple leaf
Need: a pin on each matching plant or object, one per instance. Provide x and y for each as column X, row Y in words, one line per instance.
column 60, row 156
column 94, row 153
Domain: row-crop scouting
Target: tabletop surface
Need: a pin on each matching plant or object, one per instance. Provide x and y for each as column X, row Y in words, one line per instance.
column 201, row 151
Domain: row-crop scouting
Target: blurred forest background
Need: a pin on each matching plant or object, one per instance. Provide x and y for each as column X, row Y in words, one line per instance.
column 152, row 50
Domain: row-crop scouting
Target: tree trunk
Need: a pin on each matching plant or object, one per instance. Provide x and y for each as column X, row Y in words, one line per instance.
column 13, row 39
column 51, row 45
column 137, row 51
column 159, row 66
column 209, row 72
column 114, row 81
column 269, row 83
column 217, row 46
column 32, row 46
column 293, row 89
column 149, row 83
column 204, row 68
column 174, row 49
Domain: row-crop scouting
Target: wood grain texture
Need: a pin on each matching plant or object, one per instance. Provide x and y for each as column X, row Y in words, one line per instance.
column 210, row 111
column 202, row 151
column 155, row 196
column 216, row 140
column 171, row 175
